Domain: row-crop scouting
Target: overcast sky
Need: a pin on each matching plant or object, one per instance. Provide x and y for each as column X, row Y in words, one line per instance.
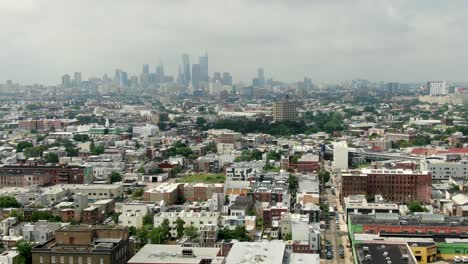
column 328, row 40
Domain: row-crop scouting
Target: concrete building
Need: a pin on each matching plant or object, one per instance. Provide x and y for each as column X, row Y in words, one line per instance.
column 164, row 254
column 444, row 170
column 383, row 252
column 284, row 110
column 340, row 156
column 145, row 131
column 357, row 204
column 85, row 244
column 438, row 88
column 196, row 219
column 399, row 186
column 133, row 214
column 41, row 231
column 167, row 192
column 243, row 171
column 272, row 252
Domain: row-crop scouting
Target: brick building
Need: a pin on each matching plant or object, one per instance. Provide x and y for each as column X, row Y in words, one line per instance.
column 25, row 175
column 85, row 244
column 399, row 186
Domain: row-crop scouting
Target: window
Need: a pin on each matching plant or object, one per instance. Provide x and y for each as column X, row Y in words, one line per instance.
column 52, row 259
column 70, row 260
column 62, row 259
column 41, row 259
column 80, row 260
column 88, row 260
column 101, row 260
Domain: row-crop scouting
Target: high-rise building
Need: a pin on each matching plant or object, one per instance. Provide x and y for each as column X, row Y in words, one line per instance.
column 145, row 69
column 392, row 88
column 196, row 76
column 77, row 79
column 227, row 78
column 284, row 110
column 261, row 77
column 307, row 83
column 66, row 81
column 123, row 79
column 438, row 88
column 186, row 68
column 159, row 73
column 217, row 77
column 203, row 61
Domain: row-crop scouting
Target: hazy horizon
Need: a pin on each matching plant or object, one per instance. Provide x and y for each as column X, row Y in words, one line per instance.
column 332, row 40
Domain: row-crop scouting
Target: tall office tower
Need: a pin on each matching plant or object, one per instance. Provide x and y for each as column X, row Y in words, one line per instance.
column 123, row 79
column 340, row 156
column 159, row 73
column 186, row 69
column 66, row 81
column 203, row 61
column 392, row 88
column 77, row 79
column 217, row 77
column 284, row 110
column 196, row 76
column 261, row 77
column 117, row 75
column 438, row 88
column 227, row 78
column 307, row 83
column 145, row 69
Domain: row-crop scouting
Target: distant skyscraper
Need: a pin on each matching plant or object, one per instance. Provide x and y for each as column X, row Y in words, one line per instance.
column 217, row 77
column 392, row 88
column 159, row 73
column 196, row 76
column 284, row 110
column 227, row 78
column 145, row 69
column 438, row 88
column 66, row 81
column 186, row 68
column 307, row 83
column 203, row 61
column 261, row 76
column 123, row 79
column 77, row 79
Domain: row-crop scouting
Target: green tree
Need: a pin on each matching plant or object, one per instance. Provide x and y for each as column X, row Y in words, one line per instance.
column 96, row 150
column 51, row 158
column 200, row 122
column 180, row 227
column 148, row 219
column 415, row 206
column 81, row 137
column 191, row 232
column 9, row 202
column 132, row 230
column 24, row 248
column 137, row 194
column 18, row 214
column 293, row 184
column 115, row 177
column 23, row 145
column 34, row 151
column 156, row 236
column 44, row 215
column 142, row 236
column 324, row 176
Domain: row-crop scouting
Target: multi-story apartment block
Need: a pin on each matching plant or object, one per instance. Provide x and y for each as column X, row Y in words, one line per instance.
column 399, row 186
column 86, row 245
column 196, row 219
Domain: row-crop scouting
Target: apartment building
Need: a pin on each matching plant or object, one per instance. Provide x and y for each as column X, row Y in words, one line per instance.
column 196, row 219
column 399, row 186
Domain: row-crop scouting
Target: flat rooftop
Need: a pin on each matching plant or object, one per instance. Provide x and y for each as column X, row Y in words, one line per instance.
column 378, row 253
column 176, row 254
column 268, row 252
column 424, row 219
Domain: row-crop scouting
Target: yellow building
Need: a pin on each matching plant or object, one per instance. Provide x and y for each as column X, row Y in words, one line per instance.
column 425, row 252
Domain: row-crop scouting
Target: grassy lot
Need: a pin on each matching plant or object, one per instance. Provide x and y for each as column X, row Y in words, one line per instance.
column 203, row 177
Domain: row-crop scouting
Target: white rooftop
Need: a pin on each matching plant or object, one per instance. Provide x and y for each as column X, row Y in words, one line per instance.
column 268, row 252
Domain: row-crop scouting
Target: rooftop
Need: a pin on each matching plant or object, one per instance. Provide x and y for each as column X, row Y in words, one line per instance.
column 175, row 254
column 268, row 252
column 378, row 253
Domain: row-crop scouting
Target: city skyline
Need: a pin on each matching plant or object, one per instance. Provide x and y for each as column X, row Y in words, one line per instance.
column 326, row 40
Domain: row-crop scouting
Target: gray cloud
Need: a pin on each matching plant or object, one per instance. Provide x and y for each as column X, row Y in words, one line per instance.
column 327, row 40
